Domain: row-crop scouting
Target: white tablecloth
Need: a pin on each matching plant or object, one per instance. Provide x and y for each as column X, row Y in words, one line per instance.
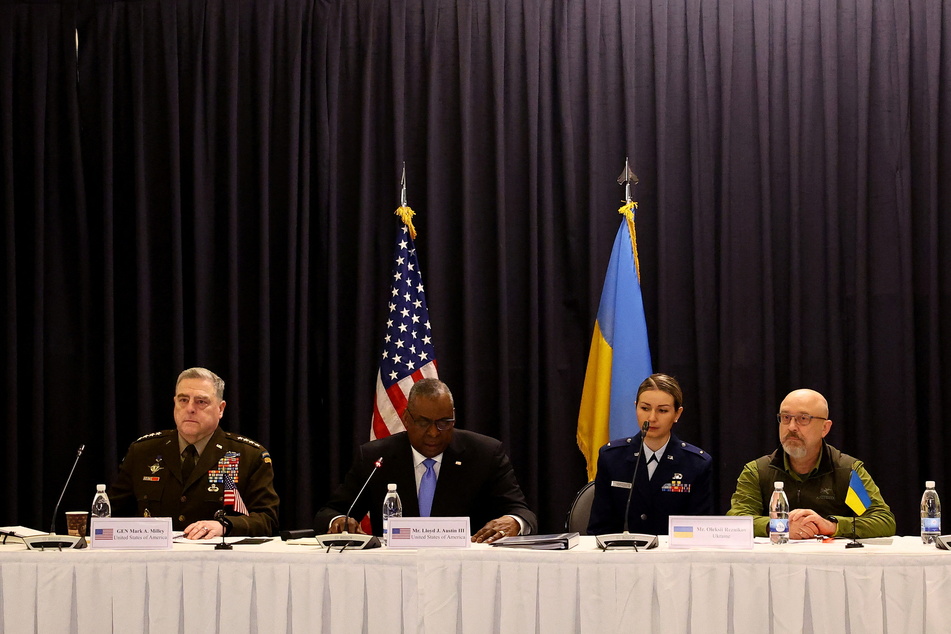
column 902, row 587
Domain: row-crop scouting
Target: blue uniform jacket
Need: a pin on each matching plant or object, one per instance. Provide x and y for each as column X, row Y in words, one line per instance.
column 682, row 485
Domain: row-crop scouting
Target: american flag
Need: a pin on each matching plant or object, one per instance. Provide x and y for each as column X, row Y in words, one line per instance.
column 401, row 533
column 233, row 496
column 408, row 354
column 103, row 534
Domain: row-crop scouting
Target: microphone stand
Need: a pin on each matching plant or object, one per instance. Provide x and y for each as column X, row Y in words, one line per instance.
column 345, row 539
column 59, row 542
column 627, row 539
column 226, row 525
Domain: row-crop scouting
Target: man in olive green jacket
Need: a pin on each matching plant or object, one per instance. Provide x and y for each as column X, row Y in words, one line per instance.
column 816, row 478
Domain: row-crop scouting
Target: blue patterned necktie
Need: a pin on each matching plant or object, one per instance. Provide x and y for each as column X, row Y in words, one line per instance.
column 427, row 488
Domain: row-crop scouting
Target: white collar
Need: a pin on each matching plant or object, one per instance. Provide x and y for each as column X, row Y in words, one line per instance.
column 660, row 452
column 418, row 457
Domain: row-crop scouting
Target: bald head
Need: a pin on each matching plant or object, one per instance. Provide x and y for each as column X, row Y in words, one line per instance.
column 806, row 400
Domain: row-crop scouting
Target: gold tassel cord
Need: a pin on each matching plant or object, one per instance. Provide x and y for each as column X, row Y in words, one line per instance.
column 406, row 215
column 628, row 212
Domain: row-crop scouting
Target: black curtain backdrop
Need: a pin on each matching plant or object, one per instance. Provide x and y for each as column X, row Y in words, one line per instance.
column 211, row 182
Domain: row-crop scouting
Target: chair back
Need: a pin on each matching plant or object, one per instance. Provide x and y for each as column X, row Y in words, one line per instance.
column 580, row 510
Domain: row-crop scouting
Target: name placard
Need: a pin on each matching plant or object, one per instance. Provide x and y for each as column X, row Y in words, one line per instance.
column 131, row 533
column 429, row 532
column 710, row 531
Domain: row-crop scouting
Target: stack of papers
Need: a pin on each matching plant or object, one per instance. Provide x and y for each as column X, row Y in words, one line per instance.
column 20, row 531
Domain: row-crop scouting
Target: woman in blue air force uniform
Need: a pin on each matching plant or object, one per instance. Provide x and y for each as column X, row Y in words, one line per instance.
column 674, row 477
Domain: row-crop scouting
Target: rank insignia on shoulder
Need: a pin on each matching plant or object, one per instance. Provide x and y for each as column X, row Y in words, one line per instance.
column 266, row 457
column 244, row 439
column 154, row 434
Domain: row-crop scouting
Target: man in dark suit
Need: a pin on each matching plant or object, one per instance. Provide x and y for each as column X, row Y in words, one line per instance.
column 180, row 473
column 473, row 476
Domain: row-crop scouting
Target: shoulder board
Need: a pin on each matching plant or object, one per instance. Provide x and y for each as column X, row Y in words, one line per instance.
column 620, row 442
column 155, row 434
column 686, row 446
column 243, row 439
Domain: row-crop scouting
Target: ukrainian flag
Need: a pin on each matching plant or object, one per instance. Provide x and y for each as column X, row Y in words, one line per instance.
column 620, row 357
column 857, row 498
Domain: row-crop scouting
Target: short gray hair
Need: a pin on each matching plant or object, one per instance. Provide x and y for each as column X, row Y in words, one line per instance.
column 207, row 375
column 428, row 389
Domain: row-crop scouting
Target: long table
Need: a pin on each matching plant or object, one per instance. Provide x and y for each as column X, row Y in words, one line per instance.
column 810, row 587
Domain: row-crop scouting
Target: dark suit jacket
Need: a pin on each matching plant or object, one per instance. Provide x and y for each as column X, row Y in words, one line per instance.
column 682, row 485
column 150, row 483
column 476, row 480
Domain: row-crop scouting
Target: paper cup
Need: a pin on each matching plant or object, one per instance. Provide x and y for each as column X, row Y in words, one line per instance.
column 76, row 523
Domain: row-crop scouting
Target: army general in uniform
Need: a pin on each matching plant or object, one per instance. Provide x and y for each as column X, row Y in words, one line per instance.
column 183, row 473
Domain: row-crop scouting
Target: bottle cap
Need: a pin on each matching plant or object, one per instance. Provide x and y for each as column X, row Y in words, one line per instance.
column 100, row 487
column 779, row 485
column 391, row 487
column 929, row 484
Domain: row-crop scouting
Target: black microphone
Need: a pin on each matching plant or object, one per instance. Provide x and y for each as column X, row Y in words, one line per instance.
column 637, row 463
column 42, row 542
column 627, row 539
column 346, row 539
column 346, row 518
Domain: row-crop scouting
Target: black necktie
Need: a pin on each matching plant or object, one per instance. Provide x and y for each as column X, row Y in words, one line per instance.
column 653, row 458
column 189, row 458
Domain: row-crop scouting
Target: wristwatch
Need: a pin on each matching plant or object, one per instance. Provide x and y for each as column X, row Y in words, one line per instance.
column 834, row 520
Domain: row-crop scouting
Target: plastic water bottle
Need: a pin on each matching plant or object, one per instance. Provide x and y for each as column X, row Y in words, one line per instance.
column 100, row 503
column 930, row 514
column 392, row 507
column 778, row 515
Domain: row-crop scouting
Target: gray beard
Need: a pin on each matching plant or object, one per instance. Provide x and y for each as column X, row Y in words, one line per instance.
column 795, row 451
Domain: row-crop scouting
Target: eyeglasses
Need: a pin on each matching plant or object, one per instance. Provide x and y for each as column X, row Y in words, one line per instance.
column 423, row 423
column 802, row 420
